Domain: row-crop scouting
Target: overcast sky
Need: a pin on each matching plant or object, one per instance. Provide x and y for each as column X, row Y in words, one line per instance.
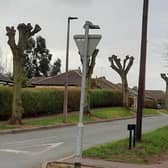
column 120, row 22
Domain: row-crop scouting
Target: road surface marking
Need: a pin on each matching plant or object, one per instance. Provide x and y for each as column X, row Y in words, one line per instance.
column 49, row 147
column 66, row 158
column 14, row 151
column 28, row 140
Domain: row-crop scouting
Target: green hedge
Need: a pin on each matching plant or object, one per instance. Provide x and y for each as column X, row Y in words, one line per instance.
column 44, row 101
column 105, row 98
column 5, row 102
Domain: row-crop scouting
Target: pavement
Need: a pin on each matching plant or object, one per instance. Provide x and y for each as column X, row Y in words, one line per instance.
column 109, row 164
column 30, row 149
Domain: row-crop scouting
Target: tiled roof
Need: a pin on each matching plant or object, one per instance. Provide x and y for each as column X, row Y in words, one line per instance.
column 155, row 94
column 74, row 79
column 103, row 83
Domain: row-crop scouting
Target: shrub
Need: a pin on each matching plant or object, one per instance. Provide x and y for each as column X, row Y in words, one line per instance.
column 105, row 98
column 44, row 101
column 73, row 99
column 5, row 102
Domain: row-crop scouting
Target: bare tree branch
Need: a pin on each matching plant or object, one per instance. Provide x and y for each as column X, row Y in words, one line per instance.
column 113, row 66
column 117, row 61
column 35, row 30
column 25, row 32
column 11, row 37
column 125, row 61
column 164, row 77
column 131, row 60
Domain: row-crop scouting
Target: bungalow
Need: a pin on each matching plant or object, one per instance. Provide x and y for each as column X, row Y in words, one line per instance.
column 157, row 95
column 74, row 80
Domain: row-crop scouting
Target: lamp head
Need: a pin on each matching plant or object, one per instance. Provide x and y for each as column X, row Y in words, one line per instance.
column 72, row 18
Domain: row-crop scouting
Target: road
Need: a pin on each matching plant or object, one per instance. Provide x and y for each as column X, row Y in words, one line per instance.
column 27, row 150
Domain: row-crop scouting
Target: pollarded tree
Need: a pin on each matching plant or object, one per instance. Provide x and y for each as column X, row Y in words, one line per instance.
column 165, row 78
column 90, row 66
column 122, row 70
column 25, row 32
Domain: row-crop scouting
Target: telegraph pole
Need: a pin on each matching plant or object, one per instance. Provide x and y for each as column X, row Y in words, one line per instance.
column 142, row 71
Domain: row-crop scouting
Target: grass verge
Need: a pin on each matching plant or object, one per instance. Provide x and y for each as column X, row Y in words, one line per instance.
column 56, row 120
column 112, row 113
column 163, row 111
column 148, row 111
column 97, row 115
column 153, row 144
column 106, row 113
column 5, row 127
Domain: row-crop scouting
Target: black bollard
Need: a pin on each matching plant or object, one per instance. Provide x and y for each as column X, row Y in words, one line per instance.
column 131, row 127
column 130, row 139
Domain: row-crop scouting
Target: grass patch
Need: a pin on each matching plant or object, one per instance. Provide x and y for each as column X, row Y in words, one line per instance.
column 153, row 144
column 107, row 113
column 4, row 127
column 114, row 112
column 148, row 111
column 163, row 111
column 98, row 114
column 55, row 120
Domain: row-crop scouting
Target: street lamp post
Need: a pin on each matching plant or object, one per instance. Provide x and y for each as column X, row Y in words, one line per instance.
column 141, row 85
column 65, row 108
column 84, row 46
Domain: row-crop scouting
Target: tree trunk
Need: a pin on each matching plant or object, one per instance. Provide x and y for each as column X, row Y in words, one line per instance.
column 87, row 96
column 166, row 97
column 17, row 109
column 125, row 92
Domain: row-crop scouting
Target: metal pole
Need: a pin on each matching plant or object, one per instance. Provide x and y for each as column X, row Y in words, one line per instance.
column 65, row 108
column 141, row 85
column 80, row 124
column 130, row 139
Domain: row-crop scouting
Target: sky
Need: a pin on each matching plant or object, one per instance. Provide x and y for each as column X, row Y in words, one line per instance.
column 120, row 22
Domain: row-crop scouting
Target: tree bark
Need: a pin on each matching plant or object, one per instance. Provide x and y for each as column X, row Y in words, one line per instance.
column 17, row 109
column 125, row 92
